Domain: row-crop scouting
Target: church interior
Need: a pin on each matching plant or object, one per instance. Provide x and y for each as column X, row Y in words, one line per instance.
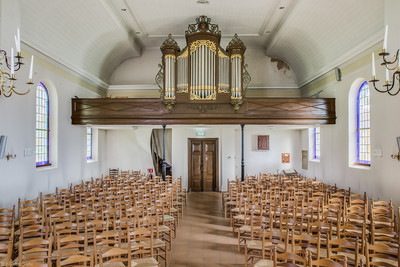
column 199, row 133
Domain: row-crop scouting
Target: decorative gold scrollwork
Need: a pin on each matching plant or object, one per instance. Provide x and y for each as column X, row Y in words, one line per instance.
column 199, row 43
column 193, row 96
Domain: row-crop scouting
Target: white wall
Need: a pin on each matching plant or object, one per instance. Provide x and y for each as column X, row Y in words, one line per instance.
column 130, row 149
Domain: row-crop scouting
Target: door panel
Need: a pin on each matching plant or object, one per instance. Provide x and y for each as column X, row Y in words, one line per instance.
column 208, row 164
column 202, row 164
column 196, row 166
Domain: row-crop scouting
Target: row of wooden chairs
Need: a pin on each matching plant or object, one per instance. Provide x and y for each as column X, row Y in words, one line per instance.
column 103, row 212
column 304, row 206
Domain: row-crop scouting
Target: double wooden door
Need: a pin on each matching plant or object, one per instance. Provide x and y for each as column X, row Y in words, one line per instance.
column 203, row 164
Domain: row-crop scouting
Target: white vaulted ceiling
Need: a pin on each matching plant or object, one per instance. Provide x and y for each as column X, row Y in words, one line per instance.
column 93, row 37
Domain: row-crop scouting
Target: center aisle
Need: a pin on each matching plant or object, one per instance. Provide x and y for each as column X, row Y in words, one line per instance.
column 204, row 237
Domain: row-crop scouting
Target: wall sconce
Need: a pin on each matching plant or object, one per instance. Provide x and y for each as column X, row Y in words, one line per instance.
column 397, row 156
column 10, row 156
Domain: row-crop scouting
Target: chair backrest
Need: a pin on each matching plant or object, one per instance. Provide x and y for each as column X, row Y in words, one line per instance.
column 141, row 241
column 76, row 260
column 115, row 257
column 382, row 255
column 289, row 259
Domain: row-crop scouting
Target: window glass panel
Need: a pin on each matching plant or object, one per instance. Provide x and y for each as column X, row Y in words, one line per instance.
column 363, row 125
column 317, row 143
column 42, row 125
column 89, row 142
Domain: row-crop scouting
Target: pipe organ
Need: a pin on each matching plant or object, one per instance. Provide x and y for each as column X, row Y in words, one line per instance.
column 203, row 72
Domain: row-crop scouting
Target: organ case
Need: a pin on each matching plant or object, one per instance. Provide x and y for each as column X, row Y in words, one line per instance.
column 203, row 72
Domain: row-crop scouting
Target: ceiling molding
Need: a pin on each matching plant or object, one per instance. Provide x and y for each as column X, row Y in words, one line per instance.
column 136, row 87
column 133, row 87
column 130, row 34
column 284, row 21
column 223, row 35
column 30, row 45
column 135, row 18
column 350, row 55
column 283, row 88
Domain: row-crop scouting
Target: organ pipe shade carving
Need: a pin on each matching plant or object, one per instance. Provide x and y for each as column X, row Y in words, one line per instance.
column 203, row 72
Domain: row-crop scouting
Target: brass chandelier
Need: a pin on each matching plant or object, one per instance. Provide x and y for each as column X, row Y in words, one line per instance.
column 393, row 65
column 8, row 67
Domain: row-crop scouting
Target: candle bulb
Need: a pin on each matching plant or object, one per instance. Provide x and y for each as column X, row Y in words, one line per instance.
column 373, row 65
column 387, row 75
column 31, row 69
column 385, row 40
column 12, row 61
column 19, row 41
column 16, row 44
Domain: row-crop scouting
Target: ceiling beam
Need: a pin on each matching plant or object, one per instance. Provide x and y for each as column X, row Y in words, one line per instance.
column 119, row 21
column 276, row 35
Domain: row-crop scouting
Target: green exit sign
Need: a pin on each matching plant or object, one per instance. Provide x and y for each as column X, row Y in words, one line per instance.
column 200, row 133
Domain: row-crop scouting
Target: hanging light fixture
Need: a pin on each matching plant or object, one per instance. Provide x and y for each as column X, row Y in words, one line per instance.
column 391, row 87
column 8, row 67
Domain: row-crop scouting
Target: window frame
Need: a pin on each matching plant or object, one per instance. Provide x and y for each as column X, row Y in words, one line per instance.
column 47, row 161
column 89, row 129
column 358, row 129
column 315, row 133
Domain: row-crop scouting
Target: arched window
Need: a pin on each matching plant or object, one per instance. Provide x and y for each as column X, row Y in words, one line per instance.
column 317, row 143
column 363, row 126
column 42, row 126
column 89, row 143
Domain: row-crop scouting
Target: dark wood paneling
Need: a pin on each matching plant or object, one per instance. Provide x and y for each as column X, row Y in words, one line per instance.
column 114, row 111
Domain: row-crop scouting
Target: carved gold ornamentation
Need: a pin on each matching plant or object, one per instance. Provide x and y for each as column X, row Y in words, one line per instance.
column 169, row 56
column 184, row 54
column 204, row 107
column 222, row 54
column 235, row 56
column 223, row 91
column 213, row 96
column 199, row 43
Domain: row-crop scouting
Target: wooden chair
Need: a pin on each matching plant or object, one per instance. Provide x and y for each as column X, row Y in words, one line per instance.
column 142, row 249
column 286, row 259
column 344, row 250
column 382, row 255
column 115, row 257
column 159, row 245
column 305, row 243
column 34, row 249
column 70, row 245
column 326, row 263
column 265, row 244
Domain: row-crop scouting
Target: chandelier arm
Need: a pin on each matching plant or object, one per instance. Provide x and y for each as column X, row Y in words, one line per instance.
column 393, row 94
column 29, row 89
column 380, row 91
column 18, row 63
column 390, row 62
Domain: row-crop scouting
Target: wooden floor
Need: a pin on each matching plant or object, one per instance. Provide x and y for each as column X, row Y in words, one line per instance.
column 204, row 236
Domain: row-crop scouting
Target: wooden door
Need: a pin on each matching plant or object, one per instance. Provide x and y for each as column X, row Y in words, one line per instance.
column 203, row 164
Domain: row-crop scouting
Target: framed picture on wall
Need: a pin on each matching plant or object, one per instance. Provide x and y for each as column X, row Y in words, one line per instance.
column 285, row 157
column 262, row 142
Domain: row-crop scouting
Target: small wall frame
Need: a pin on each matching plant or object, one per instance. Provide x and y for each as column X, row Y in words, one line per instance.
column 285, row 157
column 262, row 142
